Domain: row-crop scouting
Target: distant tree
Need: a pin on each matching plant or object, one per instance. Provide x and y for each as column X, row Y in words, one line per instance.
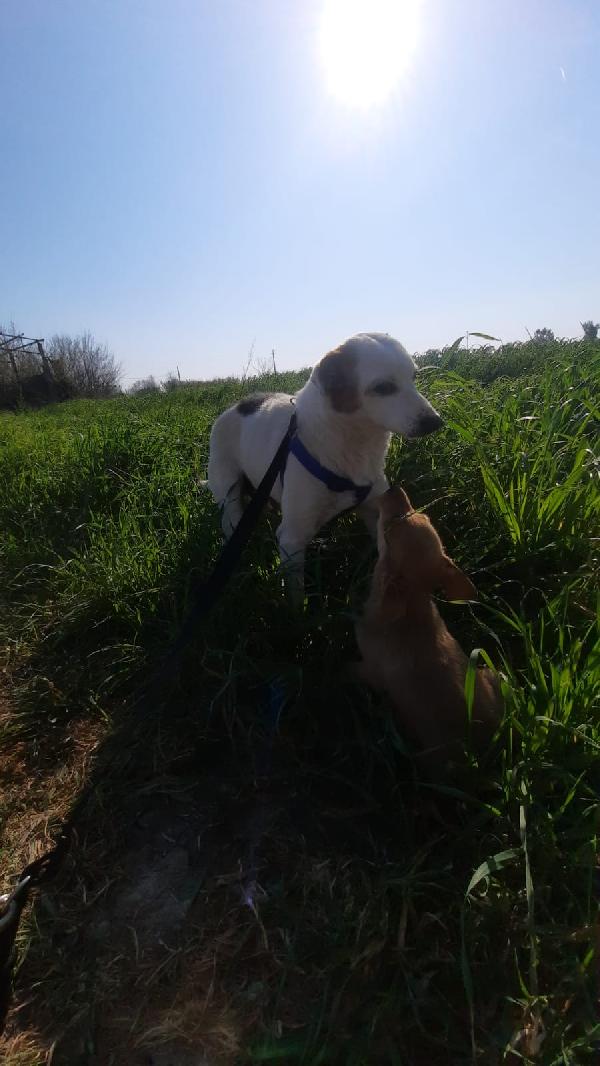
column 88, row 368
column 143, row 386
column 171, row 383
column 543, row 336
column 590, row 330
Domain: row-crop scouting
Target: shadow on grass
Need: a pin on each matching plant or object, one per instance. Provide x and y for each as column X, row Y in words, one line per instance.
column 251, row 860
column 227, row 882
column 260, row 874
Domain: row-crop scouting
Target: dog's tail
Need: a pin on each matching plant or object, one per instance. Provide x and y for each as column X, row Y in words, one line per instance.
column 202, row 484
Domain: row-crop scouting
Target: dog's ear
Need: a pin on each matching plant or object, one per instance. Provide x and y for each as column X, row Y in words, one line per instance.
column 455, row 584
column 337, row 375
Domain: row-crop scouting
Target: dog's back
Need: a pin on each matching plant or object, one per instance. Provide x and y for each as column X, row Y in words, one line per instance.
column 243, row 441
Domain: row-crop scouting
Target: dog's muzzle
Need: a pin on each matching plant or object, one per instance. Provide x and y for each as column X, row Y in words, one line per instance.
column 428, row 424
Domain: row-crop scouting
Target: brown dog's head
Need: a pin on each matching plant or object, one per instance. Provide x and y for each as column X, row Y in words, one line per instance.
column 413, row 552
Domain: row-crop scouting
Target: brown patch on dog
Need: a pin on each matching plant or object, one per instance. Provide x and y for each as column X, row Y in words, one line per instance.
column 338, row 377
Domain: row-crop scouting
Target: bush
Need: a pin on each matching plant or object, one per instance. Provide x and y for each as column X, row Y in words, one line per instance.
column 88, row 368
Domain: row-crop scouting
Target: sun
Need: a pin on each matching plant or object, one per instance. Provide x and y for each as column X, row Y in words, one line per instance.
column 366, row 46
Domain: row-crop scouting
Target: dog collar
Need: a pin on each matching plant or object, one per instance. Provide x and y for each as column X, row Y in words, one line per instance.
column 334, row 482
column 401, row 517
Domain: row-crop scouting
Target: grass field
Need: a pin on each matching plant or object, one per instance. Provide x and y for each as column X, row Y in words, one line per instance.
column 331, row 907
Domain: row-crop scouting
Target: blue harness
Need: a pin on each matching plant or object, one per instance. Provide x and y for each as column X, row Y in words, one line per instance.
column 334, row 482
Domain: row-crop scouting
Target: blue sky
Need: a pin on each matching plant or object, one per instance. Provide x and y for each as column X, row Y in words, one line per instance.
column 179, row 179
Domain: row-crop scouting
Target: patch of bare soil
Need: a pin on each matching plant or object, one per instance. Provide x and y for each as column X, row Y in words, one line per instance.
column 152, row 947
column 118, row 957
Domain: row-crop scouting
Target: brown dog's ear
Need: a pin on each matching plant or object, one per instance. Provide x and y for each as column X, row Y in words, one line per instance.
column 455, row 584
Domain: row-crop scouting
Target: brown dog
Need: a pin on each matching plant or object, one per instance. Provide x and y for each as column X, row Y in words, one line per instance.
column 407, row 650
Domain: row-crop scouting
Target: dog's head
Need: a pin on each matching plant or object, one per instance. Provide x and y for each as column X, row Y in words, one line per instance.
column 373, row 374
column 413, row 552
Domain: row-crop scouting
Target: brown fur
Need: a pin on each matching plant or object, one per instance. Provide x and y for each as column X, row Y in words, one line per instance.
column 338, row 377
column 407, row 650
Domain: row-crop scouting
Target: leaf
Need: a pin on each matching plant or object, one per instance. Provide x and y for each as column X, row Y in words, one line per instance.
column 470, row 682
column 454, row 346
column 281, row 1051
column 484, row 336
column 491, row 865
column 462, row 431
column 496, row 496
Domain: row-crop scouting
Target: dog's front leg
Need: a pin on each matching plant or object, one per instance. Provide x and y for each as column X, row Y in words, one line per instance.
column 303, row 512
column 292, row 554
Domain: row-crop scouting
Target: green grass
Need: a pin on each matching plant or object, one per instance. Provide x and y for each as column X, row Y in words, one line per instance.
column 400, row 922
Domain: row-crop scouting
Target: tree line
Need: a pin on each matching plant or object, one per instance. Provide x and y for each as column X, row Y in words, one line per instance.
column 64, row 368
column 79, row 366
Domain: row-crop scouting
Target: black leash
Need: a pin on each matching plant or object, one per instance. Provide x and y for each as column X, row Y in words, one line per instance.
column 46, row 866
column 210, row 590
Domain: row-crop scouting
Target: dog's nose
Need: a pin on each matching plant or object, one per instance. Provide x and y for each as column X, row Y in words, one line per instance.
column 430, row 423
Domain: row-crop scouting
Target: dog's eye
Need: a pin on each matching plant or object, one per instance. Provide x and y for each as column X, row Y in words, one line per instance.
column 384, row 388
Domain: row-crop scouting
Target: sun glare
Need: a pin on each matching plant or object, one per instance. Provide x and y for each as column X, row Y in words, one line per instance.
column 366, row 46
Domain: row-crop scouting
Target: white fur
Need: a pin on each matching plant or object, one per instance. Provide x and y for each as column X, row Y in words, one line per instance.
column 352, row 443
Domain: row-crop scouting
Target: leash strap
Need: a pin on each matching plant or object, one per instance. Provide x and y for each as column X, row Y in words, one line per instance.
column 46, row 867
column 209, row 591
column 9, row 924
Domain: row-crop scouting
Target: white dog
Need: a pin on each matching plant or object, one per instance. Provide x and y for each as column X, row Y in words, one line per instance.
column 356, row 397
